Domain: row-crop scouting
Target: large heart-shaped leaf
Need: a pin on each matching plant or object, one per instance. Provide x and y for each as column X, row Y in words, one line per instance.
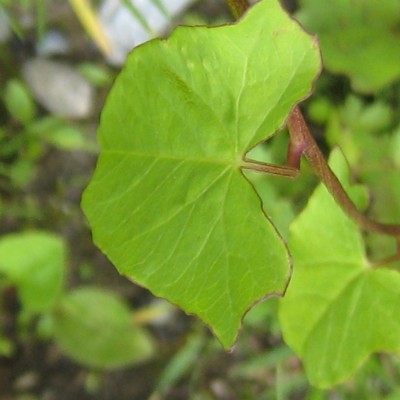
column 338, row 309
column 169, row 204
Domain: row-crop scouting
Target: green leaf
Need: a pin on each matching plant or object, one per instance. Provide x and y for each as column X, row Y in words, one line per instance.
column 7, row 347
column 35, row 263
column 96, row 328
column 19, row 101
column 60, row 134
column 338, row 309
column 361, row 132
column 97, row 74
column 360, row 39
column 68, row 138
column 22, row 172
column 168, row 203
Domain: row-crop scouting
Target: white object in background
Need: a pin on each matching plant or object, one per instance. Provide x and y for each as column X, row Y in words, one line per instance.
column 125, row 30
column 59, row 88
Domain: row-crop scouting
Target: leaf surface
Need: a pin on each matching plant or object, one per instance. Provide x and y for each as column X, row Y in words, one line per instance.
column 338, row 309
column 168, row 203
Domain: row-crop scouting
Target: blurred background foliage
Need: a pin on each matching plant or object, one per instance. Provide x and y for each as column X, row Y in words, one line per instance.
column 70, row 327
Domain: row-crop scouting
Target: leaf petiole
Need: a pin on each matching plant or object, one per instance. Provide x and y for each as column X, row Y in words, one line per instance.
column 238, row 7
column 271, row 169
column 302, row 142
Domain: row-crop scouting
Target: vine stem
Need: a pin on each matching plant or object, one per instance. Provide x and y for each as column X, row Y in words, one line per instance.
column 238, row 7
column 270, row 169
column 303, row 143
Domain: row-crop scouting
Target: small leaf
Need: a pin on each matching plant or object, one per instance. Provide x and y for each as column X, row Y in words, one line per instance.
column 68, row 137
column 337, row 310
column 60, row 134
column 19, row 101
column 35, row 263
column 97, row 74
column 96, row 328
column 7, row 347
column 169, row 204
column 21, row 172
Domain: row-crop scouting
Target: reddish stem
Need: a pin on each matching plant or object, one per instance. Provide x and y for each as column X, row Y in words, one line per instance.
column 271, row 169
column 238, row 7
column 302, row 142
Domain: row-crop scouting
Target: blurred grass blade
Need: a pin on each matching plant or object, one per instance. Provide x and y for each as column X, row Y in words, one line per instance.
column 180, row 365
column 262, row 361
column 138, row 15
column 14, row 25
column 41, row 15
column 19, row 102
column 91, row 23
column 160, row 5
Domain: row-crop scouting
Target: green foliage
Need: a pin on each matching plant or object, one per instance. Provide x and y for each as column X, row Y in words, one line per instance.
column 95, row 328
column 169, row 204
column 19, row 102
column 351, row 308
column 361, row 129
column 367, row 132
column 97, row 75
column 358, row 38
column 181, row 363
column 6, row 346
column 34, row 262
column 91, row 325
column 170, row 207
column 173, row 207
column 24, row 135
column 40, row 11
column 60, row 133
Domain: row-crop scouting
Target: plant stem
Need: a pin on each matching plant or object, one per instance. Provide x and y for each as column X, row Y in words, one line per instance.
column 238, row 7
column 302, row 142
column 387, row 260
column 271, row 169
